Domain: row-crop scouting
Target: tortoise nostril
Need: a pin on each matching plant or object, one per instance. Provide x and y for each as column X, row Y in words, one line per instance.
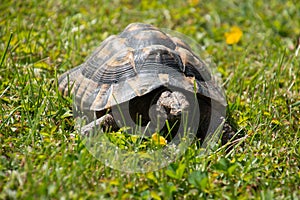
column 176, row 112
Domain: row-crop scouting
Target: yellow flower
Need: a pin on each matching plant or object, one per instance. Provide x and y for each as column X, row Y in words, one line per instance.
column 234, row 35
column 275, row 122
column 158, row 140
column 193, row 2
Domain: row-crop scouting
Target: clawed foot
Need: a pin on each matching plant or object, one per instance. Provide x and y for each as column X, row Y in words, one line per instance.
column 105, row 123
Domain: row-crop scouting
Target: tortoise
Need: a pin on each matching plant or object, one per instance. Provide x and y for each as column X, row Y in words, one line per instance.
column 148, row 73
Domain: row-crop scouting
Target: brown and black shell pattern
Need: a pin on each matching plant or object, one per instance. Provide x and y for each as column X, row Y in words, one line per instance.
column 139, row 60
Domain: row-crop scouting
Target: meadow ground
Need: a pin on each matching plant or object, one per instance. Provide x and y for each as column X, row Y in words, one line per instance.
column 259, row 63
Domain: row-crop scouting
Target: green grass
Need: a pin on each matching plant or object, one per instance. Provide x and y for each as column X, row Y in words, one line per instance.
column 40, row 157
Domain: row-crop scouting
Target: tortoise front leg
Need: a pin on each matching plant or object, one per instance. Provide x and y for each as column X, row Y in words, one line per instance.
column 105, row 123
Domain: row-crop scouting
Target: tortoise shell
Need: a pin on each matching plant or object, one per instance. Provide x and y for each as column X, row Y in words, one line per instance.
column 139, row 60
